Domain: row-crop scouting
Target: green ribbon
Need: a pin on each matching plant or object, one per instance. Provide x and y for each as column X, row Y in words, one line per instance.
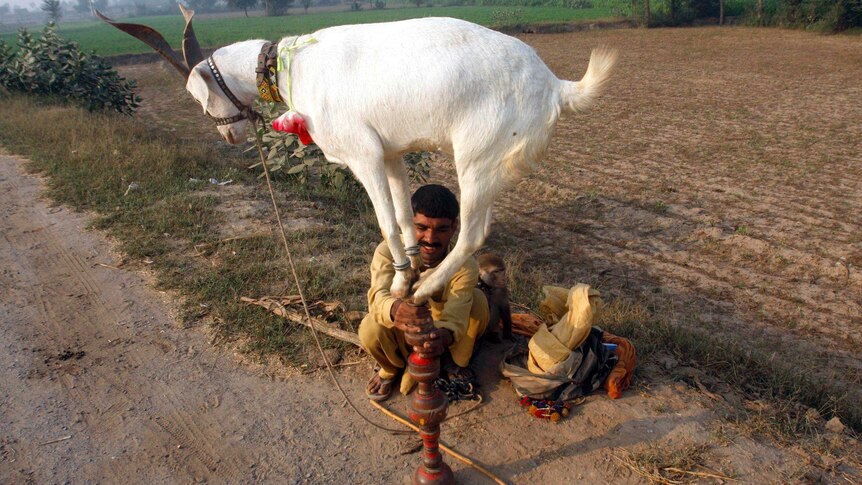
column 284, row 59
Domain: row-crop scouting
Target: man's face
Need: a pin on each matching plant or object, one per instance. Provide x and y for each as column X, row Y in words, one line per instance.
column 434, row 235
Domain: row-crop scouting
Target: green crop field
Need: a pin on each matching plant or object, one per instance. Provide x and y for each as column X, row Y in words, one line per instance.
column 107, row 41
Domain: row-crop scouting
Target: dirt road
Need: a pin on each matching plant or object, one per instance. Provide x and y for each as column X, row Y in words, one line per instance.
column 93, row 355
column 100, row 384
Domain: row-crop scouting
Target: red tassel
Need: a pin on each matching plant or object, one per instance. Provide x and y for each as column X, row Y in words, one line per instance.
column 293, row 122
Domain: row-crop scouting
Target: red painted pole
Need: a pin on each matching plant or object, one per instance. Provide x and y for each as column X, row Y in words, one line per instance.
column 428, row 406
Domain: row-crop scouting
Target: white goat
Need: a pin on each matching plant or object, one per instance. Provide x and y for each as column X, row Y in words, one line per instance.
column 372, row 93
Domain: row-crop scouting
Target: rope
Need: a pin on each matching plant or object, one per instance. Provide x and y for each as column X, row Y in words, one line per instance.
column 329, row 366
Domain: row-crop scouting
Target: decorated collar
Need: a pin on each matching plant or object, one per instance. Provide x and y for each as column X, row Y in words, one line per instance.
column 267, row 73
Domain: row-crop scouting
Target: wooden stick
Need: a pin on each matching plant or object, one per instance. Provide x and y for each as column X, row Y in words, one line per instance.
column 109, row 266
column 296, row 317
column 235, row 238
column 698, row 474
column 64, row 438
column 449, row 451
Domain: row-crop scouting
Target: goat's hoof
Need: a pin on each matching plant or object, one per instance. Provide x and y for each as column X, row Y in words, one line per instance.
column 401, row 284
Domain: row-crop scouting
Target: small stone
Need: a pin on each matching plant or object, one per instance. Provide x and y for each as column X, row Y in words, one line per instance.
column 835, row 425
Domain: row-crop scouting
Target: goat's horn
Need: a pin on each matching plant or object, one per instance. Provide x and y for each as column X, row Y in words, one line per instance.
column 152, row 38
column 191, row 48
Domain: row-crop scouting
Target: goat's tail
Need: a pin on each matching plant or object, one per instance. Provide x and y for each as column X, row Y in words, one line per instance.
column 579, row 95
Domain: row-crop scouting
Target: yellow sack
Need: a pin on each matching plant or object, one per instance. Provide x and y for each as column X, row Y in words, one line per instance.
column 553, row 307
column 551, row 347
column 546, row 351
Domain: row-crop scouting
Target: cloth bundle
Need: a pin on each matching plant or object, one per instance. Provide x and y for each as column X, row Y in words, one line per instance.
column 568, row 359
column 551, row 349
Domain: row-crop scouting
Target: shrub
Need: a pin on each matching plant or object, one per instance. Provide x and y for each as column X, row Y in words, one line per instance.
column 284, row 154
column 822, row 15
column 274, row 8
column 307, row 165
column 50, row 66
column 507, row 17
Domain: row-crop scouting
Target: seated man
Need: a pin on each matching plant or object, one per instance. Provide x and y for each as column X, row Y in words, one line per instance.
column 460, row 312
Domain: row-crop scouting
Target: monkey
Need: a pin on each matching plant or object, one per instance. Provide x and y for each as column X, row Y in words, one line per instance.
column 493, row 282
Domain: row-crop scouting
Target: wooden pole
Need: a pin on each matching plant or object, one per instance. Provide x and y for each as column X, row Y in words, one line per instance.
column 278, row 308
column 428, row 406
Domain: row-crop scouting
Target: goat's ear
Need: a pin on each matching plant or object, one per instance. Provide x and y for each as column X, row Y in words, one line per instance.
column 198, row 87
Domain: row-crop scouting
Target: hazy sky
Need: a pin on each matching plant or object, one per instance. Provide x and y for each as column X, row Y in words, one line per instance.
column 23, row 3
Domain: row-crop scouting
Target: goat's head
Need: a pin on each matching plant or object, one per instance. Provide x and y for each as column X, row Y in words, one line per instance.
column 230, row 116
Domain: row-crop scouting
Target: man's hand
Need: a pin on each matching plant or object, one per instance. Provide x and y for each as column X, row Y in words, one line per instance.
column 436, row 342
column 408, row 318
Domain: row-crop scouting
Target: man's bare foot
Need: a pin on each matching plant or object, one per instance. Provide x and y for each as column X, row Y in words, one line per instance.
column 378, row 388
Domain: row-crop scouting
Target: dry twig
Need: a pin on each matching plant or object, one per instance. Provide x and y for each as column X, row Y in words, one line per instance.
column 698, row 474
column 321, row 326
column 64, row 438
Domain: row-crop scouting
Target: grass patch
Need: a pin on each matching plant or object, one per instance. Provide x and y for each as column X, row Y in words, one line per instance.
column 91, row 159
column 216, row 32
column 664, row 464
column 754, row 367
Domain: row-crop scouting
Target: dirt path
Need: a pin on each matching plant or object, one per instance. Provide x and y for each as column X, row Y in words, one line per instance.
column 92, row 353
column 100, row 384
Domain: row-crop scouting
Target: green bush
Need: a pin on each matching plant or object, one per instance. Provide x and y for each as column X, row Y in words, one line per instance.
column 822, row 15
column 52, row 67
column 307, row 165
column 507, row 17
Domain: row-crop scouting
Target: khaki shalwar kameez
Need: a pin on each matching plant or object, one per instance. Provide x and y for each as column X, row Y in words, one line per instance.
column 460, row 307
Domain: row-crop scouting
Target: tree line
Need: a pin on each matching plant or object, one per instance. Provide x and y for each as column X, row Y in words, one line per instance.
column 820, row 15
